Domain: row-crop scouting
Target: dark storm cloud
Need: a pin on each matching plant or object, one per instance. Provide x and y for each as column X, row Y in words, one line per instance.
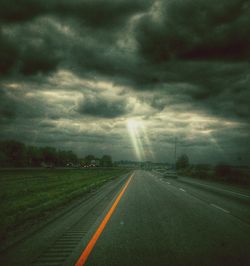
column 13, row 110
column 196, row 29
column 202, row 43
column 16, row 106
column 170, row 56
column 8, row 54
column 96, row 13
column 216, row 88
column 31, row 45
column 7, row 108
column 98, row 106
column 29, row 49
column 193, row 29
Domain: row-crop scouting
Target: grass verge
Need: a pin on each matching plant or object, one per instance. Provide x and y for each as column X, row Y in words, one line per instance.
column 27, row 196
column 238, row 176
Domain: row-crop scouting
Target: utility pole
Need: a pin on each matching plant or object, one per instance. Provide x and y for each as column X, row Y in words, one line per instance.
column 175, row 153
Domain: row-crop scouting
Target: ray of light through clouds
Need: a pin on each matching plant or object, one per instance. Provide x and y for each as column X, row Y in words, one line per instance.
column 128, row 77
column 139, row 137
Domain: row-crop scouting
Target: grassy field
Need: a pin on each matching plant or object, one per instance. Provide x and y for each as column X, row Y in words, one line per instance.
column 224, row 174
column 27, row 196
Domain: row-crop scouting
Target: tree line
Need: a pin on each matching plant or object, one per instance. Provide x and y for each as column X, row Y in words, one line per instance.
column 17, row 154
column 104, row 161
column 221, row 171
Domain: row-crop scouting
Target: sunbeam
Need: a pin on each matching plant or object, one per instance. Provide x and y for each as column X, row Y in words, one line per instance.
column 140, row 140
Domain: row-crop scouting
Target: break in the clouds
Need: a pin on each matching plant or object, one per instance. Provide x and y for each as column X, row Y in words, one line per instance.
column 102, row 76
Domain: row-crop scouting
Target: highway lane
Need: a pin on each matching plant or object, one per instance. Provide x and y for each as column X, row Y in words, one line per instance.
column 231, row 199
column 228, row 198
column 157, row 223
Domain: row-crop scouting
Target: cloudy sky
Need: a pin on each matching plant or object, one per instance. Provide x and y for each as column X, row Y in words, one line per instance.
column 127, row 77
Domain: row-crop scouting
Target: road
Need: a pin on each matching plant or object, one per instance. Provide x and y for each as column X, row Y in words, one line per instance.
column 156, row 221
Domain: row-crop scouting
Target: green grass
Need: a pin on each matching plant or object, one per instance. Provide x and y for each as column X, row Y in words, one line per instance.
column 237, row 177
column 30, row 195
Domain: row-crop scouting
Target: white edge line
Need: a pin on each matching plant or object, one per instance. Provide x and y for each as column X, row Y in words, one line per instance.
column 218, row 207
column 226, row 190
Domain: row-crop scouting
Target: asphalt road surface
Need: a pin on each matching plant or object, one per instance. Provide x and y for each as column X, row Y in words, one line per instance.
column 151, row 221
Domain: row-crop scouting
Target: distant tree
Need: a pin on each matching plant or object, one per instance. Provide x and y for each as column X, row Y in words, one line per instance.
column 34, row 156
column 71, row 157
column 202, row 170
column 13, row 153
column 106, row 161
column 3, row 159
column 182, row 162
column 65, row 157
column 89, row 158
column 223, row 170
column 16, row 154
column 49, row 155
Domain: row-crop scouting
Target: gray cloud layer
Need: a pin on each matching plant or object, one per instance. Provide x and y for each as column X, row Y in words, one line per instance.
column 100, row 107
column 81, row 60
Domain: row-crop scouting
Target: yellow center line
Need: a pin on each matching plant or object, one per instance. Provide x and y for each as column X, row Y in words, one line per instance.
column 84, row 256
